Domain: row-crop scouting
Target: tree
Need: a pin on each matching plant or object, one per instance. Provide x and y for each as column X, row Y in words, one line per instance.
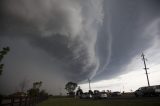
column 70, row 87
column 3, row 52
column 35, row 90
column 79, row 92
column 37, row 84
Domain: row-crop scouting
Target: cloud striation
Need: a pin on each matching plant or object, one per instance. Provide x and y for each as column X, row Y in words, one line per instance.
column 66, row 30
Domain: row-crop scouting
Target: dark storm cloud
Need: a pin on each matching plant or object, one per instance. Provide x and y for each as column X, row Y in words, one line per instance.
column 128, row 28
column 66, row 30
column 75, row 39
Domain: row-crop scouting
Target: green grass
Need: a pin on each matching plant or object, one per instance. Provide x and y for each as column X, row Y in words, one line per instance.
column 78, row 102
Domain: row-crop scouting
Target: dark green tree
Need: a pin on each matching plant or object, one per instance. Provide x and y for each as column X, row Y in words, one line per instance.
column 70, row 87
column 3, row 52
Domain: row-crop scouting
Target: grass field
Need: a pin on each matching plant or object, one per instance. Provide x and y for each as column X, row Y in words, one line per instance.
column 107, row 102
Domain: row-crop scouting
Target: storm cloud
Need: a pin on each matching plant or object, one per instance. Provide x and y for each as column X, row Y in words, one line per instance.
column 72, row 40
column 67, row 30
column 133, row 26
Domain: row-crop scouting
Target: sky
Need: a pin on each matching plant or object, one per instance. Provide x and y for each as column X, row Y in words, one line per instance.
column 56, row 41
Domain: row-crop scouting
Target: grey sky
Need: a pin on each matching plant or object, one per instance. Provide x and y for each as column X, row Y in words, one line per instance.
column 71, row 40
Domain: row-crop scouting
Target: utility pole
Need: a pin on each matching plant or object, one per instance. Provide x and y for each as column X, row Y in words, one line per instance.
column 145, row 68
column 89, row 83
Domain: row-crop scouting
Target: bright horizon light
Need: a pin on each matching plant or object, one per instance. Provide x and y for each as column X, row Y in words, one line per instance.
column 135, row 77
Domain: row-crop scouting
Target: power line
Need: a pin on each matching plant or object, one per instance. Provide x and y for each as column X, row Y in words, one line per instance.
column 89, row 83
column 145, row 67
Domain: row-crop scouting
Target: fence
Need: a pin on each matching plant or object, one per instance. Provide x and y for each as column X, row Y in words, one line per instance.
column 21, row 101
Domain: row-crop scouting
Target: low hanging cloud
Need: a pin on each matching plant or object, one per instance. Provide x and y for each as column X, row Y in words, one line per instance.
column 65, row 29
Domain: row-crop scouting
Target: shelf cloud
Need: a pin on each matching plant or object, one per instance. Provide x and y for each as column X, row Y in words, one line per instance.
column 72, row 40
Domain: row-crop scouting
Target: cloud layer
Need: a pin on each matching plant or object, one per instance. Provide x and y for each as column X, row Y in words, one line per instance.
column 62, row 40
column 67, row 30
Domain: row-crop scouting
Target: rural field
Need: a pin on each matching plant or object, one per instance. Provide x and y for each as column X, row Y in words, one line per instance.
column 147, row 101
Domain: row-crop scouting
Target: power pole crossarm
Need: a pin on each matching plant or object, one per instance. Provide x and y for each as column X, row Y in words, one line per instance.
column 145, row 67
